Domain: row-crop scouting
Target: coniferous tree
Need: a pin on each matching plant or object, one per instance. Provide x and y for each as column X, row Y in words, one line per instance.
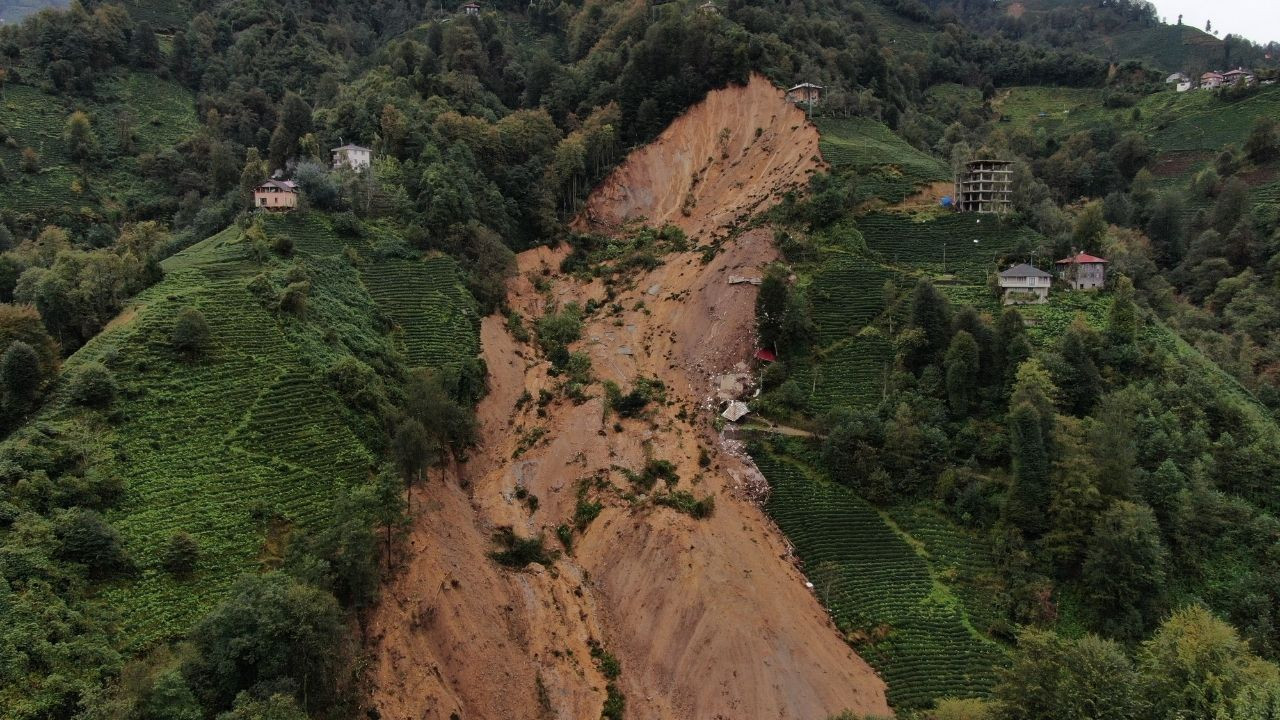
column 931, row 315
column 1079, row 381
column 1123, row 318
column 20, row 377
column 1011, row 345
column 962, row 373
column 1031, row 426
column 1074, row 500
column 1124, row 572
column 254, row 172
column 771, row 306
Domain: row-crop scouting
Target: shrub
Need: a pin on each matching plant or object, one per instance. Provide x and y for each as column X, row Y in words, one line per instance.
column 558, row 329
column 684, row 501
column 270, row 632
column 30, row 161
column 518, row 552
column 85, row 538
column 181, row 555
column 191, row 333
column 93, row 386
column 293, row 301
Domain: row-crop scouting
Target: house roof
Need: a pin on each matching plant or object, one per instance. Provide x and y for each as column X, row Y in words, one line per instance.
column 1211, row 74
column 350, row 146
column 1024, row 270
column 1176, row 77
column 765, row 355
column 1237, row 71
column 1082, row 258
column 286, row 185
column 472, row 5
column 804, row 85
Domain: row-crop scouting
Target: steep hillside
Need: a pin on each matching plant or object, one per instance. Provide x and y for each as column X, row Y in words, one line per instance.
column 726, row 158
column 703, row 612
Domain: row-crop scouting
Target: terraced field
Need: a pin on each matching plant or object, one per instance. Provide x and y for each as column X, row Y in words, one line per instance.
column 310, row 232
column 159, row 112
column 189, row 465
column 251, row 442
column 847, row 295
column 886, row 165
column 873, row 581
column 852, row 373
column 964, row 245
column 437, row 319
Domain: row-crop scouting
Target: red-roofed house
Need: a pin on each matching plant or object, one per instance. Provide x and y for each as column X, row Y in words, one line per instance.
column 764, row 355
column 1211, row 80
column 1083, row 271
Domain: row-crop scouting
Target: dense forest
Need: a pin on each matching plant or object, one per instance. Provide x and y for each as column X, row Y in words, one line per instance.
column 1116, row 467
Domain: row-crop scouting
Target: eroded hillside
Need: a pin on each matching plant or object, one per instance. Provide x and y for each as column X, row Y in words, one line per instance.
column 707, row 616
column 727, row 157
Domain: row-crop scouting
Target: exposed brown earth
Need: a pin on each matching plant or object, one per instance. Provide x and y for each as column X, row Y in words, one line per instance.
column 708, row 617
column 727, row 157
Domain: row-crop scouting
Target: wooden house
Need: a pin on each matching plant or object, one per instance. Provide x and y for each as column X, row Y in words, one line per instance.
column 276, row 195
column 805, row 93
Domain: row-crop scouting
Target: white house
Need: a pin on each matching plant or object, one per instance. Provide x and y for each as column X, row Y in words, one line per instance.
column 1180, row 81
column 471, row 8
column 352, row 156
column 1025, row 283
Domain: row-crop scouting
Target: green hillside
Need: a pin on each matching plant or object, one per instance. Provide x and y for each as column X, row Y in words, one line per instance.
column 254, row 440
column 209, row 416
column 886, row 166
column 881, row 586
column 133, row 115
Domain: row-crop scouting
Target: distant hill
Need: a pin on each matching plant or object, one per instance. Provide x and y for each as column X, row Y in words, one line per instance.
column 12, row 11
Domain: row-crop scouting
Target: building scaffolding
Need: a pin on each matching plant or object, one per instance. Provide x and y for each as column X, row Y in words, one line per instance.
column 986, row 186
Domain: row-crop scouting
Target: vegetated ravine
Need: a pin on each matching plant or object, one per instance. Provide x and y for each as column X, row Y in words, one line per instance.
column 684, row 615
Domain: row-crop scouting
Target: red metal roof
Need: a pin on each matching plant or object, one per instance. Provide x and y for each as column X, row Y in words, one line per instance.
column 1082, row 258
column 765, row 355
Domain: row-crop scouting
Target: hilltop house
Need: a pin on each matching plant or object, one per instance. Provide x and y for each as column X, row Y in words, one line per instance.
column 1211, row 80
column 356, row 157
column 805, row 93
column 1180, row 81
column 1025, row 283
column 471, row 8
column 276, row 195
column 709, row 8
column 1083, row 271
column 1239, row 76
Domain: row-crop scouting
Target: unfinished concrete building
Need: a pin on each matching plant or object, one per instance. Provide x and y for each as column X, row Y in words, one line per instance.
column 985, row 186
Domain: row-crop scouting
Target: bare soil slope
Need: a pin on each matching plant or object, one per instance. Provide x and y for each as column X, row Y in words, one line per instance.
column 707, row 616
column 727, row 157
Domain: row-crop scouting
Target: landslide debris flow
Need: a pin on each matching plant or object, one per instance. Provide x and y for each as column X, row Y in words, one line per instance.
column 705, row 617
